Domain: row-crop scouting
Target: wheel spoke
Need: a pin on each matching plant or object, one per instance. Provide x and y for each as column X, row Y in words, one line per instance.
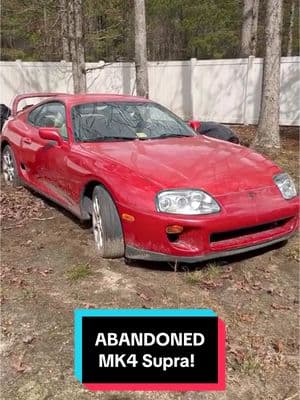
column 97, row 224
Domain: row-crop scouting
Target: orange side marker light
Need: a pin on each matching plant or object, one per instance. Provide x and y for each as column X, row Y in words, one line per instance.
column 128, row 217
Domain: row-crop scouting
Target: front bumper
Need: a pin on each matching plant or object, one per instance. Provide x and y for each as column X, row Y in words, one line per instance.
column 139, row 254
column 242, row 225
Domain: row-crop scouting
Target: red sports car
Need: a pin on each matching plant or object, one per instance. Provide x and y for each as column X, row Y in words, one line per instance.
column 153, row 188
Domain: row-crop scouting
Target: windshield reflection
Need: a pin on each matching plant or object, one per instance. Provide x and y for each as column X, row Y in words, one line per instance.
column 125, row 121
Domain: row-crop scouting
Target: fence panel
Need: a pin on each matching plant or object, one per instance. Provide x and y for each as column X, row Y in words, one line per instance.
column 226, row 91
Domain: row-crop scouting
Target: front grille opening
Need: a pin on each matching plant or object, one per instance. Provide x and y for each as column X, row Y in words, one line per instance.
column 173, row 237
column 218, row 237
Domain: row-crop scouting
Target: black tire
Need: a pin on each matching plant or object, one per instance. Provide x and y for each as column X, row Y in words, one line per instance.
column 9, row 172
column 111, row 245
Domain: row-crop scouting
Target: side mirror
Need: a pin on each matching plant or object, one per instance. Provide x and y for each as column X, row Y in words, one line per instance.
column 195, row 125
column 50, row 134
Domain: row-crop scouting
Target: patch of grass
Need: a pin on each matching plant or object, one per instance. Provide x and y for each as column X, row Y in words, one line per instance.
column 28, row 293
column 78, row 272
column 249, row 366
column 193, row 278
column 210, row 272
column 213, row 270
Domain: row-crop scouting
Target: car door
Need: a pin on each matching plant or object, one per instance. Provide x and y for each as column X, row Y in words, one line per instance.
column 31, row 144
column 49, row 162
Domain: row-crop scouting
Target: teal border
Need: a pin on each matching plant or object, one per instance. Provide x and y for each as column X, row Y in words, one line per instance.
column 125, row 312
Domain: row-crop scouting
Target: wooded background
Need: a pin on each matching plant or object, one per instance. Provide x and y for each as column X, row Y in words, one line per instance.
column 176, row 29
column 157, row 30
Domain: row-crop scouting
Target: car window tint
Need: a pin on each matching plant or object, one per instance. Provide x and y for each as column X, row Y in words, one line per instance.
column 93, row 121
column 50, row 115
column 34, row 114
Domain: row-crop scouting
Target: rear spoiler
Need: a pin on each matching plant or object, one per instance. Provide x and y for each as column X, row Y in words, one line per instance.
column 21, row 97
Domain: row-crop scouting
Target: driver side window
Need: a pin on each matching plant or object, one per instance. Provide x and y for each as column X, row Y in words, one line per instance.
column 50, row 115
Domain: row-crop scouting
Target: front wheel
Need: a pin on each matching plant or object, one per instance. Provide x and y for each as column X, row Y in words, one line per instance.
column 107, row 227
column 9, row 167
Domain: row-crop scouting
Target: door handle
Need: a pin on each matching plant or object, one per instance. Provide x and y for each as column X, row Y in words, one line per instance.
column 27, row 141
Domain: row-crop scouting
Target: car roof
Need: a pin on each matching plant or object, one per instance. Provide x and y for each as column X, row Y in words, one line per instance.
column 73, row 99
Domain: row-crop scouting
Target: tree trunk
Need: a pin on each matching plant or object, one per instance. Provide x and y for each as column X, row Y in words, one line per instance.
column 255, row 11
column 64, row 30
column 142, row 87
column 291, row 28
column 249, row 28
column 76, row 45
column 73, row 45
column 80, row 59
column 246, row 28
column 45, row 29
column 267, row 137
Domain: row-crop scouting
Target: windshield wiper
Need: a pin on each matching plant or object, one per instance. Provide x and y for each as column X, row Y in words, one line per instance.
column 168, row 135
column 109, row 138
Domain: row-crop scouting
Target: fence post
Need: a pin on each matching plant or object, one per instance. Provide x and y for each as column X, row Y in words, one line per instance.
column 192, row 94
column 64, row 70
column 20, row 68
column 249, row 71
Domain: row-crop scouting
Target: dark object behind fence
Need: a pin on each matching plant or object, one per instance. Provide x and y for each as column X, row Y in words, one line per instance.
column 4, row 114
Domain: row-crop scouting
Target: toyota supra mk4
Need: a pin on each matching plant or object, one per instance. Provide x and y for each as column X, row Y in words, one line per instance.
column 153, row 187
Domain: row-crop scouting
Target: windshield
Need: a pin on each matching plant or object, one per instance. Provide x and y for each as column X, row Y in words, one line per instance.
column 125, row 121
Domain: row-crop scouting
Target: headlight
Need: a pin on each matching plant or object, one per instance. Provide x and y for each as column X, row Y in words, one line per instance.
column 187, row 202
column 286, row 185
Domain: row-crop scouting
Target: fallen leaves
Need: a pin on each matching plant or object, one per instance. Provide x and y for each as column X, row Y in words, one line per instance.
column 247, row 317
column 210, row 284
column 280, row 307
column 227, row 273
column 211, row 277
column 19, row 205
column 19, row 365
column 15, row 276
column 242, row 285
column 146, row 293
column 28, row 339
column 143, row 296
column 18, row 282
column 237, row 351
column 256, row 286
column 254, row 353
column 89, row 305
column 278, row 346
column 7, row 228
column 45, row 272
column 2, row 299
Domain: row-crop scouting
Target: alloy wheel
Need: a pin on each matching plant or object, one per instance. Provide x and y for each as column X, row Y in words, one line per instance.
column 8, row 167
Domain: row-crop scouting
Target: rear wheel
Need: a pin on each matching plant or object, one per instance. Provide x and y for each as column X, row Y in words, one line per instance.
column 107, row 227
column 9, row 167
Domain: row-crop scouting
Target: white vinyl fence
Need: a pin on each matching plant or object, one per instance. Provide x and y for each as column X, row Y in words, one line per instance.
column 227, row 91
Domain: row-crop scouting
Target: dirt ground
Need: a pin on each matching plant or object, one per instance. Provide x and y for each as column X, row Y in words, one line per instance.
column 49, row 268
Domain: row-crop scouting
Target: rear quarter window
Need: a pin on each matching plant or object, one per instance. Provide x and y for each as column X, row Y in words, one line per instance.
column 32, row 117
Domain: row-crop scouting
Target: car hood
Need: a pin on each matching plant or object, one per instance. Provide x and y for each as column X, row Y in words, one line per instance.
column 212, row 165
